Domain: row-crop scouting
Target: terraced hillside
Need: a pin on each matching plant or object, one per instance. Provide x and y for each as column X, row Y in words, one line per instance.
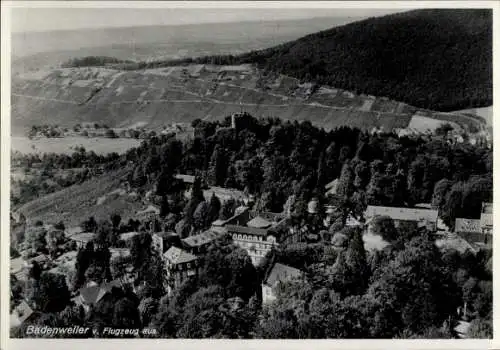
column 97, row 197
column 154, row 97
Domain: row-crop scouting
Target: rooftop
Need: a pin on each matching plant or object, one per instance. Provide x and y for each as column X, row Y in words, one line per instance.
column 331, row 184
column 185, row 178
column 201, row 239
column 91, row 294
column 178, row 256
column 486, row 220
column 151, row 209
column 467, row 225
column 487, row 208
column 282, row 273
column 224, row 193
column 259, row 222
column 84, row 237
column 20, row 314
column 405, row 214
column 73, row 231
column 128, row 235
column 16, row 265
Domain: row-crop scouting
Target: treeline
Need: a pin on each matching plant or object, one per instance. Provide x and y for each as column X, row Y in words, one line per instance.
column 93, row 61
column 398, row 56
column 274, row 159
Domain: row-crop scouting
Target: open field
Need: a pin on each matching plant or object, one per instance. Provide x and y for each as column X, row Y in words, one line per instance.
column 67, row 145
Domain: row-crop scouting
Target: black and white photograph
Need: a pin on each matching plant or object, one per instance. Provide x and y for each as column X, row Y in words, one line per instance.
column 222, row 172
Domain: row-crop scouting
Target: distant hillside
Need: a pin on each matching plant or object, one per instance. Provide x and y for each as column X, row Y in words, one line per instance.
column 36, row 50
column 438, row 59
column 157, row 97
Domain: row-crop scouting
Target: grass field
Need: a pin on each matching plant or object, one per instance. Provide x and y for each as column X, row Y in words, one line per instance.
column 67, row 145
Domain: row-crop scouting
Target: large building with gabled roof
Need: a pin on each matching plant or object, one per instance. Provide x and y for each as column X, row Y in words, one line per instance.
column 180, row 265
column 199, row 243
column 258, row 232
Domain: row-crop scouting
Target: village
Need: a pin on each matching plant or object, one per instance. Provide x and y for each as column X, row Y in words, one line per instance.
column 255, row 231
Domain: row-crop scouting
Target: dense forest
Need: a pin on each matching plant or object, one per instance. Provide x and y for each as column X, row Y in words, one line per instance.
column 438, row 59
column 410, row 289
column 275, row 159
column 92, row 61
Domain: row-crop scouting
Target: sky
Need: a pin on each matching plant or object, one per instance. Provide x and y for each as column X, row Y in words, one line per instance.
column 28, row 19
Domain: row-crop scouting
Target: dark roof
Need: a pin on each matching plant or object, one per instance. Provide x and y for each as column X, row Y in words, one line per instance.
column 165, row 234
column 247, row 230
column 282, row 273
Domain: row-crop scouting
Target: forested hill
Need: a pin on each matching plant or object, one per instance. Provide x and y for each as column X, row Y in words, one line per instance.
column 436, row 59
column 439, row 59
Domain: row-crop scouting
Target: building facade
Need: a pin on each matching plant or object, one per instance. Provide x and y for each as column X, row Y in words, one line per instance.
column 179, row 266
column 259, row 232
column 422, row 217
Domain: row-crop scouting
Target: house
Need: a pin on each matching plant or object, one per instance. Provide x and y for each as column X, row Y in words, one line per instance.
column 18, row 268
column 92, row 293
column 470, row 229
column 330, row 213
column 312, row 206
column 82, row 239
column 423, row 217
column 487, row 219
column 279, row 274
column 199, row 243
column 179, row 266
column 187, row 179
column 331, row 187
column 73, row 231
column 150, row 213
column 20, row 314
column 162, row 241
column 462, row 329
column 128, row 236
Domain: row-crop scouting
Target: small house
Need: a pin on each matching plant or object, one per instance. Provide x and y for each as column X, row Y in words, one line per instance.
column 280, row 273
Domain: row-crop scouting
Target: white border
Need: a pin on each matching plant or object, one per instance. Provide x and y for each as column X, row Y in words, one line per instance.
column 6, row 343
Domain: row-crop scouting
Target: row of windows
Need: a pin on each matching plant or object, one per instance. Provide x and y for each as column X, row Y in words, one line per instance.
column 254, row 245
column 247, row 237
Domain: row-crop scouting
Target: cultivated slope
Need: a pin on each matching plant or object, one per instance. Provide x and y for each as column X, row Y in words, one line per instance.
column 76, row 203
column 438, row 59
column 156, row 97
